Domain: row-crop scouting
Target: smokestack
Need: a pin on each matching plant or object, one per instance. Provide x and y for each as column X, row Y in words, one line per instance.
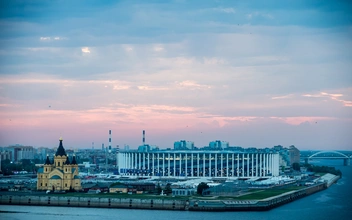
column 109, row 141
column 143, row 137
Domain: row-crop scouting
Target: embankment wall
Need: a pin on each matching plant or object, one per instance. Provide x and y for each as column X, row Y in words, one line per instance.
column 162, row 204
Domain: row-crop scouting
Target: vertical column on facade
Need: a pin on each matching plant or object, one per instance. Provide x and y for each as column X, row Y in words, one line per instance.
column 261, row 164
column 135, row 160
column 252, row 164
column 256, row 164
column 273, row 171
column 158, row 159
column 147, row 164
column 198, row 164
column 216, row 165
column 209, row 166
column 140, row 162
column 131, row 160
column 163, row 164
column 264, row 167
column 233, row 165
column 227, row 165
column 237, row 166
column 135, row 163
column 120, row 161
column 277, row 164
column 153, row 168
column 123, row 162
column 168, row 169
column 243, row 164
column 186, row 173
column 272, row 164
column 265, row 164
column 129, row 163
column 179, row 173
column 192, row 164
column 143, row 159
column 122, row 167
column 203, row 164
column 268, row 163
column 175, row 165
column 248, row 165
column 126, row 163
column 221, row 165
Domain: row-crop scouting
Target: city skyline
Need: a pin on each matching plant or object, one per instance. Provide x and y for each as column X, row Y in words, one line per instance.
column 254, row 75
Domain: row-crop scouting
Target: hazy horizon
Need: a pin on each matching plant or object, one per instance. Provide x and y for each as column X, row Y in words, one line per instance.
column 253, row 74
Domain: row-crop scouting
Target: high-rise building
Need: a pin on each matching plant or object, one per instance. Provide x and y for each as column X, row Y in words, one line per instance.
column 294, row 154
column 218, row 145
column 183, row 145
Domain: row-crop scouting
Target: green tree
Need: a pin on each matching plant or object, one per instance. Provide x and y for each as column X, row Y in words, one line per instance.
column 158, row 189
column 201, row 187
column 283, row 168
column 168, row 189
column 296, row 166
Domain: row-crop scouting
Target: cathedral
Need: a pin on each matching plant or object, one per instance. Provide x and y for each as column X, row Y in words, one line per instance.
column 60, row 175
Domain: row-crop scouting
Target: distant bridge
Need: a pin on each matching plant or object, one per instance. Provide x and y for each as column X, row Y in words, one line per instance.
column 346, row 158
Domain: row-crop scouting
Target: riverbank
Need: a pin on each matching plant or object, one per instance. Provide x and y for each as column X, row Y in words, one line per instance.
column 164, row 203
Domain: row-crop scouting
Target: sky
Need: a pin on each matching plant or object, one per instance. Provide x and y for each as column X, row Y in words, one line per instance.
column 253, row 73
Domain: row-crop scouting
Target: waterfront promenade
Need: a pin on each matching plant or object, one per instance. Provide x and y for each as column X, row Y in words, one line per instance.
column 165, row 203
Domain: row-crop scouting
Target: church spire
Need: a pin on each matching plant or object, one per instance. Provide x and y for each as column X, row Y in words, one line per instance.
column 47, row 162
column 67, row 161
column 60, row 150
column 74, row 160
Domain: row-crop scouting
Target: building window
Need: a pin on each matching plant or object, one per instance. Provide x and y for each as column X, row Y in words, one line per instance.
column 65, row 184
column 58, row 163
column 41, row 184
column 46, row 184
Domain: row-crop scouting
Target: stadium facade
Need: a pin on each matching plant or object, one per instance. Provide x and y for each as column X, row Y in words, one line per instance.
column 198, row 163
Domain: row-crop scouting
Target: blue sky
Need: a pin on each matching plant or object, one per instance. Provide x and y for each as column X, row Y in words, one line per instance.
column 253, row 73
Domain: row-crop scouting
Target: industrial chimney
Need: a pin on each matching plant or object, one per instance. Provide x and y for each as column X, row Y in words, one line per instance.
column 143, row 137
column 109, row 141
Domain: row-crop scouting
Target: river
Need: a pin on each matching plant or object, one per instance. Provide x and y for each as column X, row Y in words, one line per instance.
column 333, row 203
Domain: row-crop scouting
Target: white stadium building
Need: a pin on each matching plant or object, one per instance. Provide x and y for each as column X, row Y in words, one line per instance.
column 198, row 163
